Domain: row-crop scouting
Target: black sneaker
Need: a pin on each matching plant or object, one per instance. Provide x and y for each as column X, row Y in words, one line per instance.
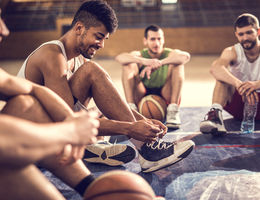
column 109, row 154
column 213, row 123
column 160, row 154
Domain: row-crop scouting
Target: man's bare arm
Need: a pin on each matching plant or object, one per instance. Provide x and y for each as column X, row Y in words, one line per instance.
column 135, row 57
column 219, row 68
column 55, row 106
column 176, row 57
column 25, row 142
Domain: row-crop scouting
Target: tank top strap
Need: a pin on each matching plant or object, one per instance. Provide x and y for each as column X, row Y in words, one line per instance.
column 239, row 51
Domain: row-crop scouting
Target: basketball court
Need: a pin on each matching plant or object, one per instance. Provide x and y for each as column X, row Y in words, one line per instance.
column 219, row 168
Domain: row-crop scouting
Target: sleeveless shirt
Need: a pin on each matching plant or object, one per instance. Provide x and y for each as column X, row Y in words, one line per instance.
column 242, row 68
column 158, row 77
column 77, row 61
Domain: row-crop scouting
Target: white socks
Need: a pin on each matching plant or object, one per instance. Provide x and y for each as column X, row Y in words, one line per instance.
column 217, row 106
column 173, row 106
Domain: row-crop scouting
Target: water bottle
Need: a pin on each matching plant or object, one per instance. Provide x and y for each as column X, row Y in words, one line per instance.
column 249, row 113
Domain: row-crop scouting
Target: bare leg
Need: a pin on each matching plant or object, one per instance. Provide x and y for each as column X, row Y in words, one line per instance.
column 26, row 183
column 222, row 93
column 133, row 87
column 173, row 86
column 27, row 107
column 96, row 83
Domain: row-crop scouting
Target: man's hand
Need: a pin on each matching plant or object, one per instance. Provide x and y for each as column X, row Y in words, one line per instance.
column 86, row 127
column 248, row 90
column 151, row 65
column 145, row 130
column 70, row 154
column 162, row 127
column 247, row 87
column 85, row 132
column 154, row 63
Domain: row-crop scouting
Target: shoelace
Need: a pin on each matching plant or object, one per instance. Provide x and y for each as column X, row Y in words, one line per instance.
column 160, row 145
column 171, row 114
column 211, row 114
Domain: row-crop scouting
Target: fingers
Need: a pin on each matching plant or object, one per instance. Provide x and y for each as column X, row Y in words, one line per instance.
column 71, row 154
column 163, row 128
column 256, row 96
column 252, row 98
column 147, row 71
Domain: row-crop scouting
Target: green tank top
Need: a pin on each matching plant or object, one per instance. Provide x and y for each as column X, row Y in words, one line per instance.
column 158, row 77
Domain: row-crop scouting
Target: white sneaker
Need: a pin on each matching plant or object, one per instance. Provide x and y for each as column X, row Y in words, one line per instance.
column 161, row 154
column 173, row 116
column 213, row 123
column 109, row 154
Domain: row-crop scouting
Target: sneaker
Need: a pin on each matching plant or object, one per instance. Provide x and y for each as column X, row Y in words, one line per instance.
column 173, row 117
column 160, row 154
column 213, row 123
column 109, row 154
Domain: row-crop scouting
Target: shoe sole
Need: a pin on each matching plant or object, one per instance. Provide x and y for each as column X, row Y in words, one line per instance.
column 173, row 126
column 207, row 129
column 178, row 159
column 108, row 156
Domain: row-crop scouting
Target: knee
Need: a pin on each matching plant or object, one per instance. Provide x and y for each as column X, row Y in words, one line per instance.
column 23, row 102
column 93, row 71
column 130, row 70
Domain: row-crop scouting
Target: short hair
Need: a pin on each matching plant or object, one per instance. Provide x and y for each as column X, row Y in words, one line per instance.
column 92, row 12
column 246, row 19
column 152, row 27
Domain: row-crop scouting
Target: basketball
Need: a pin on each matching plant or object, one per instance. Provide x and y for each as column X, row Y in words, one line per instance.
column 153, row 107
column 118, row 184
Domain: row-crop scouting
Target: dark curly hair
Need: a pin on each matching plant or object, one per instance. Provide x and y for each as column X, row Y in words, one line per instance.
column 94, row 12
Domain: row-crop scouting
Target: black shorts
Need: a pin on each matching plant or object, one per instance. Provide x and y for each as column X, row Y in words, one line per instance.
column 156, row 91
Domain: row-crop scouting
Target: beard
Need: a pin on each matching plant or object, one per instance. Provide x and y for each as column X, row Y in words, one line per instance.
column 253, row 43
column 85, row 54
column 153, row 52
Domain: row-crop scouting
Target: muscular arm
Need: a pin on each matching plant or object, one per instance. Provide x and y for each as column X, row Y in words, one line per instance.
column 142, row 130
column 176, row 57
column 11, row 86
column 25, row 142
column 219, row 67
column 135, row 57
column 47, row 66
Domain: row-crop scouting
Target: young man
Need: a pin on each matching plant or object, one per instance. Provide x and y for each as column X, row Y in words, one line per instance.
column 23, row 142
column 77, row 82
column 237, row 73
column 155, row 70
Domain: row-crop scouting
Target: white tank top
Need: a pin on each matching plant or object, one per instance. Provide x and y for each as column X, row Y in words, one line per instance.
column 243, row 69
column 77, row 62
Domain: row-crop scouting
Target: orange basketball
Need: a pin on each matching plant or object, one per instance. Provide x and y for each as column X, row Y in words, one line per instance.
column 121, row 185
column 153, row 107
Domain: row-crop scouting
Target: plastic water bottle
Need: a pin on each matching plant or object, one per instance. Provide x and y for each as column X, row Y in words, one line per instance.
column 249, row 113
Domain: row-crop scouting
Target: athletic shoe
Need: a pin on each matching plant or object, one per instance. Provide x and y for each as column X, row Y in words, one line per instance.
column 213, row 123
column 161, row 154
column 109, row 154
column 173, row 117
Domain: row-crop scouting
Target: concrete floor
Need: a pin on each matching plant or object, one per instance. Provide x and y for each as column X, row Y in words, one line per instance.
column 197, row 89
